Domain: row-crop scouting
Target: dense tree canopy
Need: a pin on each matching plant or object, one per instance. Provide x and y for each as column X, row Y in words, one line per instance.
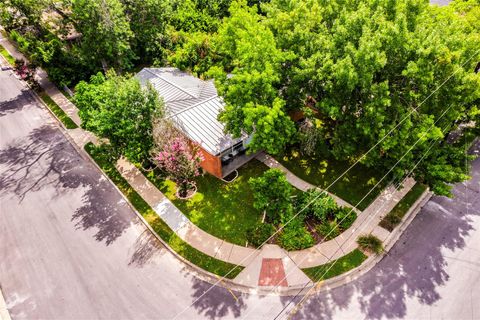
column 393, row 73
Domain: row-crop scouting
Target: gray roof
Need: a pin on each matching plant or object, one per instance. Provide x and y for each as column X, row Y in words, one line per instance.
column 193, row 105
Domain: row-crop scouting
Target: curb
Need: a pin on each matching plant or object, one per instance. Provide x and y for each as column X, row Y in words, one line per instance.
column 4, row 314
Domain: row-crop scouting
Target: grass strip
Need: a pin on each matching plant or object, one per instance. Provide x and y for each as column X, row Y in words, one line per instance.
column 337, row 267
column 66, row 120
column 7, row 56
column 394, row 217
column 106, row 162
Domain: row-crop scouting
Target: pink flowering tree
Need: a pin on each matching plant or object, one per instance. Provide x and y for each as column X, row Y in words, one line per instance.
column 180, row 161
column 26, row 72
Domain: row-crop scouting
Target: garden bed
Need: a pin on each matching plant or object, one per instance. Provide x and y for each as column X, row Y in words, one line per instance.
column 394, row 217
column 106, row 163
column 322, row 172
column 336, row 267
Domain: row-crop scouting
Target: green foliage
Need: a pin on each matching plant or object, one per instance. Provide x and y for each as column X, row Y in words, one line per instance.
column 272, row 193
column 261, row 233
column 106, row 33
column 394, row 217
column 370, row 243
column 364, row 66
column 193, row 52
column 320, row 204
column 295, row 236
column 119, row 109
column 328, row 229
column 345, row 217
column 246, row 48
column 198, row 15
column 149, row 21
column 59, row 113
column 104, row 158
column 336, row 267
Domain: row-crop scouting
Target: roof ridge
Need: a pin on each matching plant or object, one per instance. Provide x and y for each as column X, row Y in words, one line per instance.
column 171, row 83
column 193, row 106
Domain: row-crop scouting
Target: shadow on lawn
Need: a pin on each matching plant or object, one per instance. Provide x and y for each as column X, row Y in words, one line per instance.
column 407, row 273
column 45, row 159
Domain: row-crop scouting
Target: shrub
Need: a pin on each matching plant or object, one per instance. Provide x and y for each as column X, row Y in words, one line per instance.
column 328, row 229
column 272, row 193
column 320, row 204
column 390, row 221
column 258, row 235
column 345, row 217
column 370, row 243
column 295, row 236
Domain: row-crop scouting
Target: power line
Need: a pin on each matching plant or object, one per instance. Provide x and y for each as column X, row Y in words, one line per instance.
column 328, row 187
column 335, row 261
column 371, row 190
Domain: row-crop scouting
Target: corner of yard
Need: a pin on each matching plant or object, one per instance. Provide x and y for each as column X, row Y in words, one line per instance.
column 224, row 210
column 323, row 171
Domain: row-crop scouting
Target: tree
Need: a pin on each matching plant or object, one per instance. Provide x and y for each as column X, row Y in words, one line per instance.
column 369, row 66
column 106, row 33
column 246, row 48
column 149, row 21
column 119, row 109
column 272, row 193
column 181, row 161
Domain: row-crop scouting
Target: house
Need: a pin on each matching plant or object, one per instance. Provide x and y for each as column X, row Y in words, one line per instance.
column 193, row 105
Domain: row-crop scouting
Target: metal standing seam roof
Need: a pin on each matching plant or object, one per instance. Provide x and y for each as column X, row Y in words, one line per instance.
column 193, row 105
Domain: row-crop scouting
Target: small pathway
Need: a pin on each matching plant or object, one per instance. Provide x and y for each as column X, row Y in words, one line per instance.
column 297, row 182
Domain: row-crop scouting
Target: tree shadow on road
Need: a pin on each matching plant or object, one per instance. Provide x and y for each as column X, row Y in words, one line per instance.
column 217, row 302
column 414, row 268
column 44, row 161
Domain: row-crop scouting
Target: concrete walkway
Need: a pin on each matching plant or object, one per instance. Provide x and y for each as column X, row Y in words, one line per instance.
column 366, row 222
column 270, row 266
column 297, row 182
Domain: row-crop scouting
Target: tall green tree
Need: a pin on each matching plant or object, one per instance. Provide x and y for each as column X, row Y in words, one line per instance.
column 106, row 34
column 247, row 76
column 366, row 68
column 119, row 109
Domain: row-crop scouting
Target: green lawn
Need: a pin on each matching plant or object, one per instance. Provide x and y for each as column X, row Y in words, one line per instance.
column 221, row 268
column 224, row 210
column 69, row 124
column 394, row 217
column 7, row 56
column 323, row 171
column 336, row 267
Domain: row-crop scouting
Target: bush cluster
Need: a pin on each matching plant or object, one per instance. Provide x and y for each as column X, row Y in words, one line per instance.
column 258, row 235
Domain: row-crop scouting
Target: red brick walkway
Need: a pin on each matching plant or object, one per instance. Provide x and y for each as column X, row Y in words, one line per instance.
column 272, row 273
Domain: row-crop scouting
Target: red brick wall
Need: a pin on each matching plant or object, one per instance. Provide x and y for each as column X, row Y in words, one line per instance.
column 211, row 164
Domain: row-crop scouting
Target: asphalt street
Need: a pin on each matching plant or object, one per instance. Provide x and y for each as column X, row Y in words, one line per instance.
column 71, row 248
